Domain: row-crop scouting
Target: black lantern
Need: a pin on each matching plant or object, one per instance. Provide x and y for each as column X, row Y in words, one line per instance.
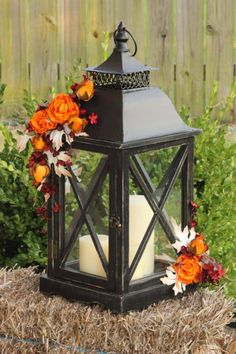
column 111, row 241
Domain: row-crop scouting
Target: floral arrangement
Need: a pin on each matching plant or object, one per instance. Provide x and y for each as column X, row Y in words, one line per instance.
column 194, row 264
column 51, row 131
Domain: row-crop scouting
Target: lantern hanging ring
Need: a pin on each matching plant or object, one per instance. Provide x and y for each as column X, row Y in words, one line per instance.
column 134, row 41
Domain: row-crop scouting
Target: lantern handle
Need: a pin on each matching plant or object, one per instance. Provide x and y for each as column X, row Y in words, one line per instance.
column 134, row 41
column 125, row 30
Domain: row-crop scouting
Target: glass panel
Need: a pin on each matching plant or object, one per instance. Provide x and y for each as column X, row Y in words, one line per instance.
column 93, row 188
column 85, row 164
column 71, row 206
column 164, row 252
column 174, row 201
column 152, row 176
column 99, row 208
column 156, row 164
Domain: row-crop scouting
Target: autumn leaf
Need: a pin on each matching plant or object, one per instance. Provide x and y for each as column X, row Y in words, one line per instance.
column 61, row 170
column 56, row 137
column 22, row 142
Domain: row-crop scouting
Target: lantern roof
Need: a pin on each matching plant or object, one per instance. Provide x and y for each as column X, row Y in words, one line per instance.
column 128, row 109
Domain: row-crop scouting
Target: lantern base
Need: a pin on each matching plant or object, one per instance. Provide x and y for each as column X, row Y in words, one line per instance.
column 118, row 303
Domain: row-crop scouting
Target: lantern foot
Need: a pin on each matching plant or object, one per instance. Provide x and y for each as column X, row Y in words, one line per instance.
column 117, row 303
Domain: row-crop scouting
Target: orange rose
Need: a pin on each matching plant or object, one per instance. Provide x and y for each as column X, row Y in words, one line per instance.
column 187, row 269
column 41, row 123
column 85, row 90
column 77, row 124
column 38, row 143
column 198, row 245
column 39, row 172
column 62, row 108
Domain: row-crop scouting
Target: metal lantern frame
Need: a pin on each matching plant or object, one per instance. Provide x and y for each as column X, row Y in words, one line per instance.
column 121, row 159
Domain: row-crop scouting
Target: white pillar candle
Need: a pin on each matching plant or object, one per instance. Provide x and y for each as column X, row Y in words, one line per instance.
column 140, row 215
column 88, row 256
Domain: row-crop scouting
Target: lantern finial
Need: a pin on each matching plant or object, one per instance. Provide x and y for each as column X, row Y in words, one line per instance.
column 121, row 38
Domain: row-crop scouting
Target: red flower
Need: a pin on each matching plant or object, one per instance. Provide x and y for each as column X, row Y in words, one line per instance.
column 194, row 205
column 93, row 118
column 56, row 208
column 212, row 270
column 83, row 111
column 193, row 223
column 42, row 212
column 37, row 157
column 48, row 188
column 74, row 87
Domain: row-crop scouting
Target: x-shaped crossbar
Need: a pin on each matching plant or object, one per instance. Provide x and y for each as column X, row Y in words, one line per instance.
column 82, row 215
column 143, row 180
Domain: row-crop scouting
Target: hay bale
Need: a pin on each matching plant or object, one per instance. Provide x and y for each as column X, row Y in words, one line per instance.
column 193, row 324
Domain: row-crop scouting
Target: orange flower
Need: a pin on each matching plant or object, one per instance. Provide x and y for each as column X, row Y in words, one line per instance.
column 38, row 143
column 62, row 108
column 187, row 269
column 41, row 123
column 77, row 124
column 39, row 172
column 85, row 90
column 198, row 245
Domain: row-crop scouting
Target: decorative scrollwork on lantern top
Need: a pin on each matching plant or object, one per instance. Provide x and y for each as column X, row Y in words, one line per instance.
column 119, row 81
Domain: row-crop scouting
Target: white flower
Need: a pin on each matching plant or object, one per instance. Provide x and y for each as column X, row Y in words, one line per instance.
column 171, row 279
column 183, row 238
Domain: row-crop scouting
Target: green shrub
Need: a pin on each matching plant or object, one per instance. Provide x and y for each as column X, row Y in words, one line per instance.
column 215, row 184
column 22, row 233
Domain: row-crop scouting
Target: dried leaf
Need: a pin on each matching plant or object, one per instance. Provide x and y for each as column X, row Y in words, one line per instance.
column 61, row 170
column 56, row 137
column 46, row 197
column 22, row 142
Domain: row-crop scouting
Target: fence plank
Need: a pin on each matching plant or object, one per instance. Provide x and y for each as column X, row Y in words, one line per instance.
column 13, row 50
column 220, row 45
column 43, row 45
column 189, row 59
column 72, row 44
column 160, row 48
column 136, row 24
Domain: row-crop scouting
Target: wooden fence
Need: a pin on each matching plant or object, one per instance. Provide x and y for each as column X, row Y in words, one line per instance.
column 191, row 41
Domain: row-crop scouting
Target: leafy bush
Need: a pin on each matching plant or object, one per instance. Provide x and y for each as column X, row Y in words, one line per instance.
column 22, row 234
column 215, row 184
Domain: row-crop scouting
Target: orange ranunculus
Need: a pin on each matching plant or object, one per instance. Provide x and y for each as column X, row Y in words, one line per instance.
column 77, row 124
column 41, row 123
column 85, row 90
column 198, row 245
column 187, row 269
column 38, row 143
column 39, row 172
column 62, row 108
